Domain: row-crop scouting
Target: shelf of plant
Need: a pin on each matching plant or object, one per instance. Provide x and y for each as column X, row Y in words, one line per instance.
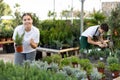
column 6, row 42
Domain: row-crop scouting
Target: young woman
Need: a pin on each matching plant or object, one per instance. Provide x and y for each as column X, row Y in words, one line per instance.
column 30, row 39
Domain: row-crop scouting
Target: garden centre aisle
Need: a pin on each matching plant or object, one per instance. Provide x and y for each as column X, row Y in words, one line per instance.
column 6, row 57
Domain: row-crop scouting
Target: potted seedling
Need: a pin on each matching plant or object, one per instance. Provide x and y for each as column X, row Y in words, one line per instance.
column 74, row 60
column 18, row 42
column 65, row 62
column 48, row 59
column 56, row 58
column 86, row 65
column 101, row 66
column 95, row 75
column 114, row 68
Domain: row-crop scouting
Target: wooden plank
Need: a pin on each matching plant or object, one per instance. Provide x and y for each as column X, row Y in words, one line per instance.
column 69, row 49
column 57, row 51
column 6, row 42
column 48, row 50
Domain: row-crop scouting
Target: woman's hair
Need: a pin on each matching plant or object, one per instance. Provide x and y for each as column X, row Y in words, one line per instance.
column 28, row 14
column 105, row 27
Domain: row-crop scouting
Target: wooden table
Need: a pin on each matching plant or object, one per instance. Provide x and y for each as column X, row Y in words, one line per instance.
column 44, row 51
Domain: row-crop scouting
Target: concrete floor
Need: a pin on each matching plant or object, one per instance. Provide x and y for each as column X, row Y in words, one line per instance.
column 6, row 57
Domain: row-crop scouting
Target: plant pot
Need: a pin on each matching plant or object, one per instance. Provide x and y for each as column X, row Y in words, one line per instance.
column 3, row 39
column 75, row 64
column 115, row 74
column 88, row 77
column 101, row 70
column 8, row 39
column 103, row 78
column 19, row 48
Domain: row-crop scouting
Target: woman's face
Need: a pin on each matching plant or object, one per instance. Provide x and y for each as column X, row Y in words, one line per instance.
column 27, row 22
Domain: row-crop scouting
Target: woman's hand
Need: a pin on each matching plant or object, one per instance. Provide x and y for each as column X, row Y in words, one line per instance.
column 101, row 45
column 105, row 41
column 33, row 44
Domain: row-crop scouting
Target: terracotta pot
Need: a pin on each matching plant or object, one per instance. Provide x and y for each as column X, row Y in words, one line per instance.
column 115, row 74
column 75, row 64
column 3, row 39
column 19, row 48
column 103, row 78
column 9, row 39
column 88, row 77
column 101, row 70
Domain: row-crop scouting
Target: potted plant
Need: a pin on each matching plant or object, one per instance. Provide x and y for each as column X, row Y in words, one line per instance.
column 48, row 59
column 9, row 34
column 65, row 62
column 101, row 66
column 3, row 33
column 18, row 42
column 86, row 65
column 74, row 60
column 95, row 75
column 114, row 68
column 8, row 29
column 112, row 59
column 56, row 58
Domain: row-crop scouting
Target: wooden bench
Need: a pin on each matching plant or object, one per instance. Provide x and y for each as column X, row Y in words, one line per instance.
column 67, row 51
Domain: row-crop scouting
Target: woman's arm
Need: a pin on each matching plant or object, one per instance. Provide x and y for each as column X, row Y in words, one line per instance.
column 91, row 41
column 98, row 43
column 104, row 42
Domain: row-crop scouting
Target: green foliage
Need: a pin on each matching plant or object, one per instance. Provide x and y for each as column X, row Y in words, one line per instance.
column 48, row 59
column 53, row 67
column 8, row 30
column 100, row 64
column 112, row 59
column 96, row 17
column 114, row 22
column 114, row 19
column 8, row 71
column 80, row 74
column 3, row 32
column 68, row 70
column 36, row 21
column 95, row 75
column 19, row 38
column 118, row 53
column 86, row 65
column 74, row 59
column 56, row 33
column 65, row 62
column 114, row 67
column 56, row 58
column 4, row 9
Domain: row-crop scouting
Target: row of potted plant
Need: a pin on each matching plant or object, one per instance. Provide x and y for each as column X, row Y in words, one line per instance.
column 6, row 32
column 28, row 71
column 86, row 64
